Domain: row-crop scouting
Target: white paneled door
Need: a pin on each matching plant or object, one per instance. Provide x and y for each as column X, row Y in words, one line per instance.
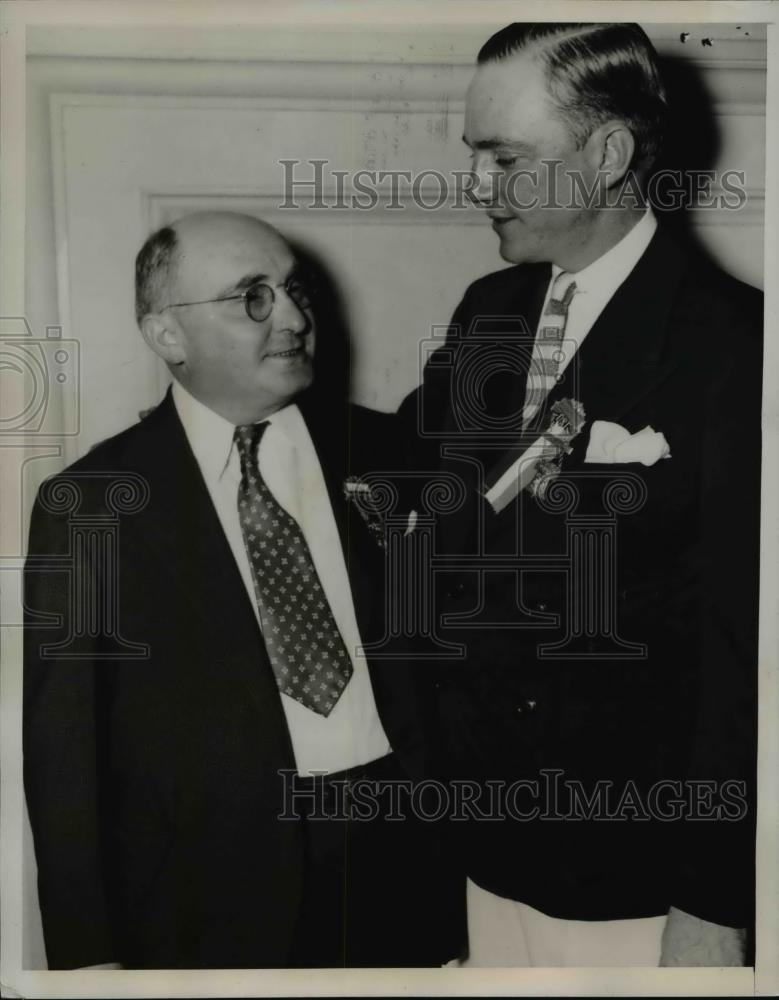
column 129, row 165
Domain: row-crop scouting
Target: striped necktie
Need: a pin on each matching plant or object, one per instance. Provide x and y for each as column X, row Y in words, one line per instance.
column 547, row 353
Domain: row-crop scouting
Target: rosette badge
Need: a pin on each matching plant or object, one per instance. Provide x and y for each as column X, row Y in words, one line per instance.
column 565, row 423
column 361, row 496
column 567, row 415
column 541, row 462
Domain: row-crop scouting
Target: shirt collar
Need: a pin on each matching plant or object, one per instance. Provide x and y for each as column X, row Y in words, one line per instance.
column 211, row 436
column 607, row 273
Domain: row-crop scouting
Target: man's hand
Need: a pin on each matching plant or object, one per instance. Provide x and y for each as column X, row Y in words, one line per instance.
column 690, row 941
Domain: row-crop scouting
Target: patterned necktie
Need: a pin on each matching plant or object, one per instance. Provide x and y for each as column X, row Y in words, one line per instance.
column 306, row 651
column 547, row 353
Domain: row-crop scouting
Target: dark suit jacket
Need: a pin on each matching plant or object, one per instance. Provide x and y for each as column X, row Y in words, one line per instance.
column 678, row 347
column 152, row 782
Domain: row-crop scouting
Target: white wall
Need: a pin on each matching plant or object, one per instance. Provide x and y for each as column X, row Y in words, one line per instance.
column 139, row 140
column 127, row 129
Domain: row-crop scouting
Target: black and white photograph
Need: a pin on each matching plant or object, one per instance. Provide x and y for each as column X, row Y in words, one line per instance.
column 389, row 539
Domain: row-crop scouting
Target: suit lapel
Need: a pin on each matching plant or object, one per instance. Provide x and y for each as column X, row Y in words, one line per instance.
column 624, row 356
column 332, row 435
column 627, row 352
column 510, row 315
column 182, row 526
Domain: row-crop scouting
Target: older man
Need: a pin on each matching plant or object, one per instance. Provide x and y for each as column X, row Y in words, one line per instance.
column 160, row 741
column 600, row 402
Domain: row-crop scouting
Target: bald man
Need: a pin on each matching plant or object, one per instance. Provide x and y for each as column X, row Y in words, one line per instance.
column 192, row 759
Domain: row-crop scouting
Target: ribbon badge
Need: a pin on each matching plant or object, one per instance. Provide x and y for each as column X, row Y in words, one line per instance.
column 541, row 463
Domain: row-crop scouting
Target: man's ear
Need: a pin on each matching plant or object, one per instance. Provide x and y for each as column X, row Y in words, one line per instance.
column 164, row 337
column 613, row 146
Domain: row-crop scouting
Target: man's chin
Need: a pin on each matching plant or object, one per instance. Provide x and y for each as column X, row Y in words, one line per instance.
column 301, row 375
column 513, row 253
column 283, row 392
column 519, row 249
column 511, row 247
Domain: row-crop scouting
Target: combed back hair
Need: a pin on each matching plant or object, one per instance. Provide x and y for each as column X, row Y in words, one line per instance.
column 153, row 267
column 594, row 72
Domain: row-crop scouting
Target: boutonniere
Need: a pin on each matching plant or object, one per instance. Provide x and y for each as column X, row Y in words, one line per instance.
column 359, row 493
column 611, row 444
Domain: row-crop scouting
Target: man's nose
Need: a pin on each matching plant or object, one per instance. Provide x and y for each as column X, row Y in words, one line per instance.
column 287, row 314
column 486, row 178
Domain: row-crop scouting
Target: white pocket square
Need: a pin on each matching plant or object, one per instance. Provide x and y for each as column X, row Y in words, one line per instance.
column 610, row 443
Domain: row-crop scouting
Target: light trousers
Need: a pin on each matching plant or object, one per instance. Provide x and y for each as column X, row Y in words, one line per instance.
column 503, row 933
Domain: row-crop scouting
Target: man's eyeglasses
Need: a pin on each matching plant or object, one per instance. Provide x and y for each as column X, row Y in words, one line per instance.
column 259, row 297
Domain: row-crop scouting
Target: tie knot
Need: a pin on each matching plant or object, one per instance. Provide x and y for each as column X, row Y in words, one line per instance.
column 247, row 440
column 563, row 290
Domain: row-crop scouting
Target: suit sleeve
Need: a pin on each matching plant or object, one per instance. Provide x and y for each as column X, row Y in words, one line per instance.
column 62, row 760
column 717, row 879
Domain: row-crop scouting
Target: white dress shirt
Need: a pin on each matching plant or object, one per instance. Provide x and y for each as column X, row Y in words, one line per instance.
column 352, row 733
column 595, row 286
column 597, row 283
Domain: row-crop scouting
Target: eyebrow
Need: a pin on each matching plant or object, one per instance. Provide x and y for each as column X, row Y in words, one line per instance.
column 242, row 284
column 249, row 279
column 514, row 145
